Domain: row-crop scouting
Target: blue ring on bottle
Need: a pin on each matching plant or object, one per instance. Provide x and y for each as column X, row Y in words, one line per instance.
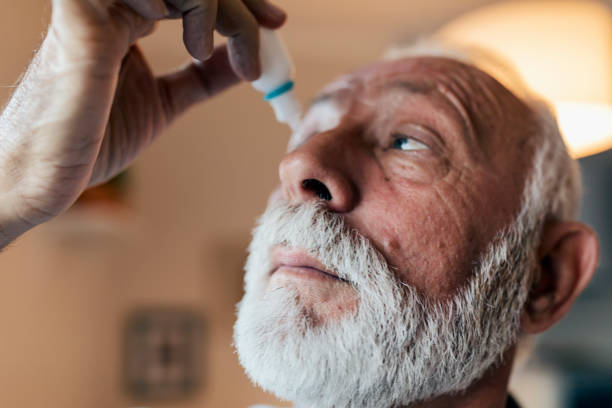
column 284, row 88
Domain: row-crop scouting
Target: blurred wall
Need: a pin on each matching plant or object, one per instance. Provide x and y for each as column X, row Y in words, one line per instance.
column 66, row 287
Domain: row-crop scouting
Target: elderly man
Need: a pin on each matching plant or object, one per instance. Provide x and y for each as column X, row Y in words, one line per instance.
column 423, row 226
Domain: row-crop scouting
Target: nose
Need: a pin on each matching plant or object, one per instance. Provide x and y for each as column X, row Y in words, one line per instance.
column 320, row 169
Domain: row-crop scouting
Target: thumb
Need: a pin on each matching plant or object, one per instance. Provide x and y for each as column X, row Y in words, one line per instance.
column 196, row 82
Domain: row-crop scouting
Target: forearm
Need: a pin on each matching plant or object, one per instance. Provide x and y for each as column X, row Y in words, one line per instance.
column 58, row 99
column 57, row 89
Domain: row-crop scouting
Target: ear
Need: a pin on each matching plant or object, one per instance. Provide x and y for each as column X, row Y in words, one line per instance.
column 567, row 259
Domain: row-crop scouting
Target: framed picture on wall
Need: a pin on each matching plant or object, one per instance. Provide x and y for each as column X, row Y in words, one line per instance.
column 163, row 353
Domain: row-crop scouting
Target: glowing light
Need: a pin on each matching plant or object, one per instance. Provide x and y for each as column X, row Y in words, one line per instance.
column 587, row 127
column 563, row 51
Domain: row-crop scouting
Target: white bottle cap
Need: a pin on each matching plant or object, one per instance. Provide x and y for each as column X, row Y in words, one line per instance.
column 276, row 80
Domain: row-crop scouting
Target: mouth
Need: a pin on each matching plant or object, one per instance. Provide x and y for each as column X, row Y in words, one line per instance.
column 299, row 263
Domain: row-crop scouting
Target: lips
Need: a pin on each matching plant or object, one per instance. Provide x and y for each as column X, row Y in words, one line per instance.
column 299, row 262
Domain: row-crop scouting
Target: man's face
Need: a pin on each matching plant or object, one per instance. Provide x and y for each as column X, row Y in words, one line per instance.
column 416, row 166
column 427, row 159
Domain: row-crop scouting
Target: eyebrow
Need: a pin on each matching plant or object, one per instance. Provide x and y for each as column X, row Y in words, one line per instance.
column 426, row 88
column 322, row 98
column 412, row 87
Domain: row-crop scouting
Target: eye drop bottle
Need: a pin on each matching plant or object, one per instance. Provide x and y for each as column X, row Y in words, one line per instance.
column 276, row 80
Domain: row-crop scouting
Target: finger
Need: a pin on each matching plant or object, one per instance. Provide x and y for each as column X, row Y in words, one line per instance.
column 237, row 23
column 198, row 29
column 134, row 25
column 196, row 82
column 149, row 9
column 266, row 14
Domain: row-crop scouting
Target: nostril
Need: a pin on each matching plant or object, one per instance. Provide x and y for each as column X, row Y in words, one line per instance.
column 318, row 188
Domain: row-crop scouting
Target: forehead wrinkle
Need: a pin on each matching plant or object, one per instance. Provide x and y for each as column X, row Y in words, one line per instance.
column 472, row 92
column 478, row 95
column 509, row 111
column 455, row 101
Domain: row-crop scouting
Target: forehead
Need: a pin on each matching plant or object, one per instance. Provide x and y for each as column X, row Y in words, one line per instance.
column 488, row 111
column 424, row 72
column 427, row 67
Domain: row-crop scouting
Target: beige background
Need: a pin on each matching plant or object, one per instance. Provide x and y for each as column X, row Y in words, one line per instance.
column 66, row 287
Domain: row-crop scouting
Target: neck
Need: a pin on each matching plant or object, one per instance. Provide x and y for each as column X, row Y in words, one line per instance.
column 491, row 391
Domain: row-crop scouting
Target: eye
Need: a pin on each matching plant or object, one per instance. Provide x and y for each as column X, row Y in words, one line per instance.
column 406, row 143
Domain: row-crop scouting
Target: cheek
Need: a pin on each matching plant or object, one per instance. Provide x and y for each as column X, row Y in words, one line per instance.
column 416, row 235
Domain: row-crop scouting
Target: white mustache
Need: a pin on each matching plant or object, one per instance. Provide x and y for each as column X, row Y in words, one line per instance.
column 312, row 227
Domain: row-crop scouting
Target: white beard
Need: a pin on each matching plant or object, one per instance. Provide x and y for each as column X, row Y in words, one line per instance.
column 398, row 346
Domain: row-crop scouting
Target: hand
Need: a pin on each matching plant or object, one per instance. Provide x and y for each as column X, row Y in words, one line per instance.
column 106, row 28
column 89, row 103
